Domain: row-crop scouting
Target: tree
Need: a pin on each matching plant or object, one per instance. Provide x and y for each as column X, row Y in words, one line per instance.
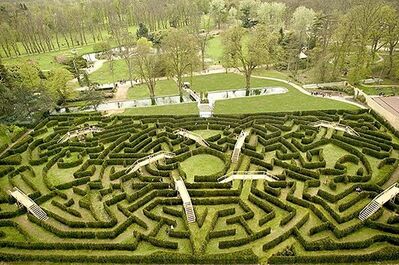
column 146, row 64
column 391, row 34
column 202, row 32
column 272, row 15
column 27, row 76
column 218, row 11
column 21, row 96
column 57, row 86
column 180, row 51
column 320, row 43
column 364, row 18
column 93, row 97
column 247, row 49
column 302, row 20
column 248, row 13
column 110, row 58
column 127, row 54
column 142, row 31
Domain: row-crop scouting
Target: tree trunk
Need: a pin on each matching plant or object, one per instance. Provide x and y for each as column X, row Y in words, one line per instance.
column 203, row 58
column 391, row 49
column 247, row 82
column 152, row 93
column 179, row 85
column 130, row 74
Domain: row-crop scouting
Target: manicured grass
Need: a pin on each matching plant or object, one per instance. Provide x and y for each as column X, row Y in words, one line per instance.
column 175, row 109
column 271, row 73
column 46, row 61
column 201, row 165
column 206, row 133
column 216, row 82
column 214, row 49
column 375, row 90
column 163, row 88
column 104, row 76
column 293, row 100
column 201, row 83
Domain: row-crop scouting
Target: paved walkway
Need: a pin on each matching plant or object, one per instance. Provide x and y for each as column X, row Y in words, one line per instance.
column 304, row 91
column 121, row 93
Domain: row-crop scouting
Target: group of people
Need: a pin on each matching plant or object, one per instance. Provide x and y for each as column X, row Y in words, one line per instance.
column 317, row 93
column 324, row 94
column 79, row 131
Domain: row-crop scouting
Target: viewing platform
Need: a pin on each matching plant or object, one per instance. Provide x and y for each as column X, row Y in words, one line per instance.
column 238, row 145
column 193, row 136
column 148, row 160
column 28, row 203
column 335, row 126
column 188, row 206
column 247, row 175
column 79, row 132
column 379, row 201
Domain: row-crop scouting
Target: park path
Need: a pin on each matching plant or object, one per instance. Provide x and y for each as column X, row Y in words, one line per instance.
column 304, row 91
column 17, row 141
column 95, row 66
column 121, row 93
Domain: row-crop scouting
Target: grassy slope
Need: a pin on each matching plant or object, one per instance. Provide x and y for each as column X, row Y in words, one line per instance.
column 214, row 49
column 46, row 60
column 103, row 75
column 163, row 88
column 375, row 90
column 176, row 109
column 290, row 101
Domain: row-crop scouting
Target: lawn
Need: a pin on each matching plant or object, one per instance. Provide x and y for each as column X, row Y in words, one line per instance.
column 104, row 76
column 375, row 90
column 163, row 88
column 214, row 49
column 201, row 165
column 216, row 82
column 206, row 133
column 175, row 109
column 293, row 100
column 271, row 73
column 201, row 83
column 46, row 61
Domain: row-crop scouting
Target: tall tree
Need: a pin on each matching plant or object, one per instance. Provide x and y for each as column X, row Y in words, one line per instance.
column 391, row 35
column 127, row 53
column 365, row 16
column 248, row 13
column 57, row 86
column 247, row 49
column 301, row 22
column 218, row 11
column 272, row 14
column 146, row 65
column 180, row 51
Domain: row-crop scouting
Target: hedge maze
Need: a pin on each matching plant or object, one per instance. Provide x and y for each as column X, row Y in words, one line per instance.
column 99, row 212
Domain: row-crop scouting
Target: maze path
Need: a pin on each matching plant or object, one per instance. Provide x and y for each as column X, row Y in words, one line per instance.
column 94, row 203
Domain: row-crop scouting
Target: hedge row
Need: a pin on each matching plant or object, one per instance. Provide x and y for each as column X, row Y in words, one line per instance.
column 245, row 240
